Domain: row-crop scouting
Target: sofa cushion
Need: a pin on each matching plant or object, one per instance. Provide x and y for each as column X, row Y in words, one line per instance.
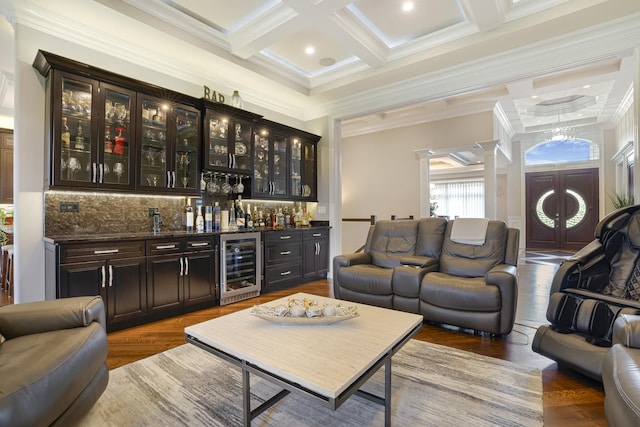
column 470, row 260
column 366, row 278
column 391, row 241
column 42, row 374
column 460, row 293
column 430, row 236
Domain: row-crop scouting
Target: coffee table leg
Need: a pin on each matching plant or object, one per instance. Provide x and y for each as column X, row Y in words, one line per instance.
column 387, row 393
column 246, row 397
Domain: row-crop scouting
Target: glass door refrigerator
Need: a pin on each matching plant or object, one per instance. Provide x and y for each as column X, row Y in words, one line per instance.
column 240, row 266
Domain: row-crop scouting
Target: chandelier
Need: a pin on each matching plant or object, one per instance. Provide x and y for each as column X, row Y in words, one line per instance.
column 560, row 131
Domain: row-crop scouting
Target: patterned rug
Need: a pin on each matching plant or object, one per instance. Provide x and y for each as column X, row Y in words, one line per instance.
column 432, row 385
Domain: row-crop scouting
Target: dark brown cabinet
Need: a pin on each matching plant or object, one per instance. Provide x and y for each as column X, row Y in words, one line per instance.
column 228, row 139
column 170, row 146
column 6, row 166
column 282, row 258
column 315, row 253
column 115, row 271
column 181, row 272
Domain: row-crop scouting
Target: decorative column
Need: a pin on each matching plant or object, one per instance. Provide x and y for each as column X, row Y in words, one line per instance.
column 425, row 192
column 490, row 149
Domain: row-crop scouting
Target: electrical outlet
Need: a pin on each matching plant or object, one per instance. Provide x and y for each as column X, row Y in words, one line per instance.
column 153, row 211
column 72, row 207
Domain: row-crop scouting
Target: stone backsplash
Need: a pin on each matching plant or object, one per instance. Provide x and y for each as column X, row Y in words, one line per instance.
column 109, row 213
column 105, row 213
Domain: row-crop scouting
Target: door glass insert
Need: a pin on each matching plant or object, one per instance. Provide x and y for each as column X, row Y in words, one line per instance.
column 580, row 211
column 218, row 145
column 76, row 143
column 296, row 167
column 279, row 165
column 117, row 133
column 261, row 162
column 154, row 144
column 187, row 141
column 542, row 216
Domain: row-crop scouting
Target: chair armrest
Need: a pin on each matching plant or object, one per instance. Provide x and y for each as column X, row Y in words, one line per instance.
column 626, row 330
column 419, row 261
column 504, row 276
column 347, row 260
column 42, row 316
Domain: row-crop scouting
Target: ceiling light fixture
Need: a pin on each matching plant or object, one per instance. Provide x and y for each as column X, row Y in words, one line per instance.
column 309, row 50
column 560, row 131
column 407, row 6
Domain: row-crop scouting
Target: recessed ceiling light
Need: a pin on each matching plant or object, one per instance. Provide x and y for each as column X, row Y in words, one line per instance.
column 534, row 96
column 586, row 86
column 407, row 6
column 309, row 50
column 327, row 62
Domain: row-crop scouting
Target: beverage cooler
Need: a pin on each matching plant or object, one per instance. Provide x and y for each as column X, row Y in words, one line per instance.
column 240, row 266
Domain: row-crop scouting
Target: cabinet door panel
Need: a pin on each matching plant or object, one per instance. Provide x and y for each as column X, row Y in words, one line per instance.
column 81, row 279
column 127, row 291
column 165, row 282
column 199, row 282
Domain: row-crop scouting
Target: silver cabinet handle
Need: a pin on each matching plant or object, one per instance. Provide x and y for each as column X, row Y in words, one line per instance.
column 317, row 234
column 104, row 276
column 101, row 173
column 173, row 179
column 285, row 237
column 285, row 253
column 186, row 266
column 166, row 246
column 200, row 244
column 106, row 251
column 317, row 248
column 181, row 268
column 168, row 179
column 110, row 275
column 285, row 273
column 95, row 178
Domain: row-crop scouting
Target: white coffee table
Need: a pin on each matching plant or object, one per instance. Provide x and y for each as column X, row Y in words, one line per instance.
column 328, row 363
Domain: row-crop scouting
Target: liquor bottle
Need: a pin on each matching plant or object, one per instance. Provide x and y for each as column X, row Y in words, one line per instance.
column 216, row 217
column 188, row 216
column 208, row 218
column 240, row 219
column 280, row 218
column 233, row 226
column 108, row 143
column 66, row 134
column 199, row 221
column 248, row 221
column 79, row 141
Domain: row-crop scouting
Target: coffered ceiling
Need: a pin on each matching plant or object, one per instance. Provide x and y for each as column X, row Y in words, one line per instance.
column 374, row 63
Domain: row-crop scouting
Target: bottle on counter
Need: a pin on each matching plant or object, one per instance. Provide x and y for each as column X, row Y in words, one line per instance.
column 233, row 225
column 188, row 216
column 248, row 220
column 240, row 218
column 208, row 218
column 280, row 218
column 216, row 217
column 199, row 221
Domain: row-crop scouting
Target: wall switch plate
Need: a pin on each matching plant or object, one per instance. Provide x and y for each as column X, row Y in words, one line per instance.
column 153, row 211
column 72, row 207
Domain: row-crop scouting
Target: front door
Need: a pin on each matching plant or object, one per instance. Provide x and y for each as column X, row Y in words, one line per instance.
column 562, row 209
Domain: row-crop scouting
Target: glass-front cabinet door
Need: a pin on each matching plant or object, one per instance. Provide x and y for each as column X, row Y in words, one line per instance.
column 270, row 174
column 115, row 167
column 154, row 156
column 169, row 158
column 187, row 154
column 74, row 128
column 228, row 142
column 303, row 169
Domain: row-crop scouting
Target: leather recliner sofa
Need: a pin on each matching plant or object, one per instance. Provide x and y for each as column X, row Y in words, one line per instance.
column 414, row 266
column 52, row 361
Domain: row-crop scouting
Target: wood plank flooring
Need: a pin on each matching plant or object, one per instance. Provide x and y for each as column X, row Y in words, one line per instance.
column 569, row 398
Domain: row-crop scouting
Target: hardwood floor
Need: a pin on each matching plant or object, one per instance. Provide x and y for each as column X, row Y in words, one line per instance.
column 569, row 398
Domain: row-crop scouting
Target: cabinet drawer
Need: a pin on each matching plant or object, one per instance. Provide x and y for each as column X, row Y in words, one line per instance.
column 283, row 236
column 320, row 233
column 168, row 246
column 201, row 244
column 283, row 252
column 100, row 251
column 282, row 272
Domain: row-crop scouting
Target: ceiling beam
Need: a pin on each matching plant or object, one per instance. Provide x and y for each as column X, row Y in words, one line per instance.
column 487, row 15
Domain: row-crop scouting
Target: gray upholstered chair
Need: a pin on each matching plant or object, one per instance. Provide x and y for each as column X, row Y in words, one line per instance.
column 52, row 361
column 621, row 373
column 476, row 286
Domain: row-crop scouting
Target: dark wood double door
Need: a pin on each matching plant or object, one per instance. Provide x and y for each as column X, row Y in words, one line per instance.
column 562, row 209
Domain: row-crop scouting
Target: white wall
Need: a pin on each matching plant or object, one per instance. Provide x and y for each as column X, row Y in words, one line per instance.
column 381, row 173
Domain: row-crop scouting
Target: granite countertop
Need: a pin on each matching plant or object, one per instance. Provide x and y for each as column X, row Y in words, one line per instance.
column 147, row 235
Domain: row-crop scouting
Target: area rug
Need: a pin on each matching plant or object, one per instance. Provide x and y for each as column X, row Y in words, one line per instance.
column 432, row 385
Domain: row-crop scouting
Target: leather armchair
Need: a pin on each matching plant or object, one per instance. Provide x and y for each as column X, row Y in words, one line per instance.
column 621, row 373
column 588, row 292
column 476, row 286
column 52, row 362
